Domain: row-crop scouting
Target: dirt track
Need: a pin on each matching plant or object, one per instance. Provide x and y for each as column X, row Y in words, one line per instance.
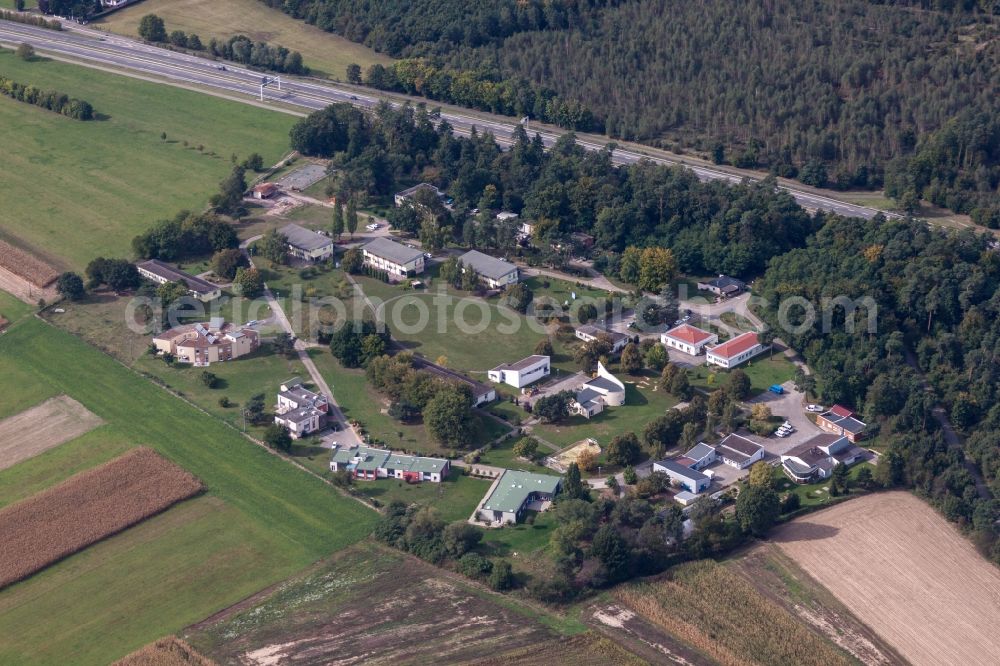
column 43, row 427
column 904, row 571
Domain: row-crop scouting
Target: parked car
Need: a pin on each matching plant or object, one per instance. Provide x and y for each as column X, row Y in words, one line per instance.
column 776, row 388
column 428, row 255
column 372, row 227
column 780, row 433
column 814, row 408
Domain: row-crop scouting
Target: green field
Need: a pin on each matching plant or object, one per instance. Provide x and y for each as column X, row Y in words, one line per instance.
column 455, row 498
column 322, row 51
column 260, row 521
column 91, row 186
column 763, row 372
column 642, row 405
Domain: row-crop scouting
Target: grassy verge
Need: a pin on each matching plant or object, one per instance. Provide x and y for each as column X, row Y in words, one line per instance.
column 116, row 176
column 323, row 51
column 454, row 498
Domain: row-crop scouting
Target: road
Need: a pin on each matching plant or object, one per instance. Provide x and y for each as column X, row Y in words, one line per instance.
column 97, row 49
column 346, row 434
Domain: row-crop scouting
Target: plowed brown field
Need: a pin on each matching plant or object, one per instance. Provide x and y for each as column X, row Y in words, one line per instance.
column 86, row 508
column 43, row 427
column 26, row 265
column 905, row 572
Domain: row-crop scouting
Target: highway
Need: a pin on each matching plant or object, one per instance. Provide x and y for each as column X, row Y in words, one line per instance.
column 95, row 48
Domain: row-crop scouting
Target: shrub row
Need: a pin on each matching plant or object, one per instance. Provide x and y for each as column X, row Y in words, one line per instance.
column 52, row 100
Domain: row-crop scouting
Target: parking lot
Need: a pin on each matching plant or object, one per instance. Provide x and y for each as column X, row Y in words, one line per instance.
column 792, row 407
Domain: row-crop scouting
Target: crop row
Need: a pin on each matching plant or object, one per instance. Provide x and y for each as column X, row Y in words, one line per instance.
column 86, row 508
column 26, row 265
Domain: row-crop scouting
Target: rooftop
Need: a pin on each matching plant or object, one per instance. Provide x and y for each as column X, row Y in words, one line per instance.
column 171, row 274
column 725, row 282
column 513, row 489
column 594, row 331
column 681, row 470
column 736, row 346
column 700, row 451
column 478, row 388
column 487, row 266
column 397, row 253
column 524, row 363
column 410, row 191
column 304, row 239
column 689, row 334
column 739, row 445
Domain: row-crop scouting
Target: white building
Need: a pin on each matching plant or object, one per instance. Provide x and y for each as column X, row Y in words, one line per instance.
column 738, row 451
column 589, row 333
column 161, row 273
column 688, row 339
column 522, row 373
column 604, row 390
column 689, row 479
column 395, row 258
column 493, row 273
column 738, row 350
column 409, row 195
column 300, row 410
column 814, row 459
column 306, row 244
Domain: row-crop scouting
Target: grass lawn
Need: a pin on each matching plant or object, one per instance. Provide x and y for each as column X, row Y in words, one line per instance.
column 323, row 51
column 361, row 402
column 502, row 455
column 508, row 411
column 261, row 372
column 260, row 520
column 560, row 291
column 12, row 308
column 524, row 539
column 813, row 494
column 737, row 321
column 642, row 405
column 89, row 187
column 473, row 334
column 763, row 372
column 455, row 498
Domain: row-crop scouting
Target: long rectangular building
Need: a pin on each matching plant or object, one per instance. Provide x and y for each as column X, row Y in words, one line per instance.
column 369, row 463
column 513, row 492
column 395, row 258
column 161, row 273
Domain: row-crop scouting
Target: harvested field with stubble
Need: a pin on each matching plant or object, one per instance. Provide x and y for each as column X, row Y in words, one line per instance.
column 371, row 605
column 716, row 611
column 43, row 427
column 26, row 265
column 169, row 651
column 904, row 571
column 86, row 508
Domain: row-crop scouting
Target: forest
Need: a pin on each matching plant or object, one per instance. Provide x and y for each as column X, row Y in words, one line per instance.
column 711, row 227
column 830, row 92
column 937, row 296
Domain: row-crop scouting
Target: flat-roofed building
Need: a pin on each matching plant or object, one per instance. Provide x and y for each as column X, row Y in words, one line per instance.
column 365, row 462
column 300, row 410
column 395, row 258
column 160, row 272
column 522, row 373
column 589, row 333
column 689, row 479
column 306, row 244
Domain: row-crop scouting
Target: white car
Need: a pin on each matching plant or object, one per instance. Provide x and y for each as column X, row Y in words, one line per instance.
column 372, row 227
column 814, row 408
column 780, row 433
column 428, row 255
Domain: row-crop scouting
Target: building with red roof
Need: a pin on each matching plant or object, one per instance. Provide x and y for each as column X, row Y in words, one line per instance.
column 688, row 339
column 736, row 351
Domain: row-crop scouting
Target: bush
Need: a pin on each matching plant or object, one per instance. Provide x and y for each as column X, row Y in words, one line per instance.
column 502, row 576
column 474, row 566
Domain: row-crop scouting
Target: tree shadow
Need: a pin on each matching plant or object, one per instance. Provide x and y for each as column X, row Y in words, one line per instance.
column 100, row 117
column 802, row 531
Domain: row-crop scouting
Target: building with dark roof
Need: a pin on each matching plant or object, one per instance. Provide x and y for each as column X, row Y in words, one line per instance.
column 738, row 451
column 814, row 459
column 300, row 410
column 161, row 273
column 395, row 258
column 409, row 195
column 723, row 286
column 701, row 455
column 481, row 393
column 306, row 244
column 493, row 273
column 840, row 420
column 522, row 373
column 589, row 333
column 604, row 390
column 690, row 479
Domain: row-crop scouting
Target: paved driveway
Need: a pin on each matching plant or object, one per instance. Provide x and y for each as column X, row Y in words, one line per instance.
column 790, row 406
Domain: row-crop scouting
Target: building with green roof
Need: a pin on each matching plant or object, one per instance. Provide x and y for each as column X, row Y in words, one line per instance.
column 513, row 492
column 369, row 463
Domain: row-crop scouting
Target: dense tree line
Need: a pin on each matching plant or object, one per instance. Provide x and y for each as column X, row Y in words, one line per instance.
column 823, row 90
column 242, row 49
column 937, row 296
column 710, row 227
column 52, row 100
column 30, row 19
column 78, row 9
column 186, row 235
